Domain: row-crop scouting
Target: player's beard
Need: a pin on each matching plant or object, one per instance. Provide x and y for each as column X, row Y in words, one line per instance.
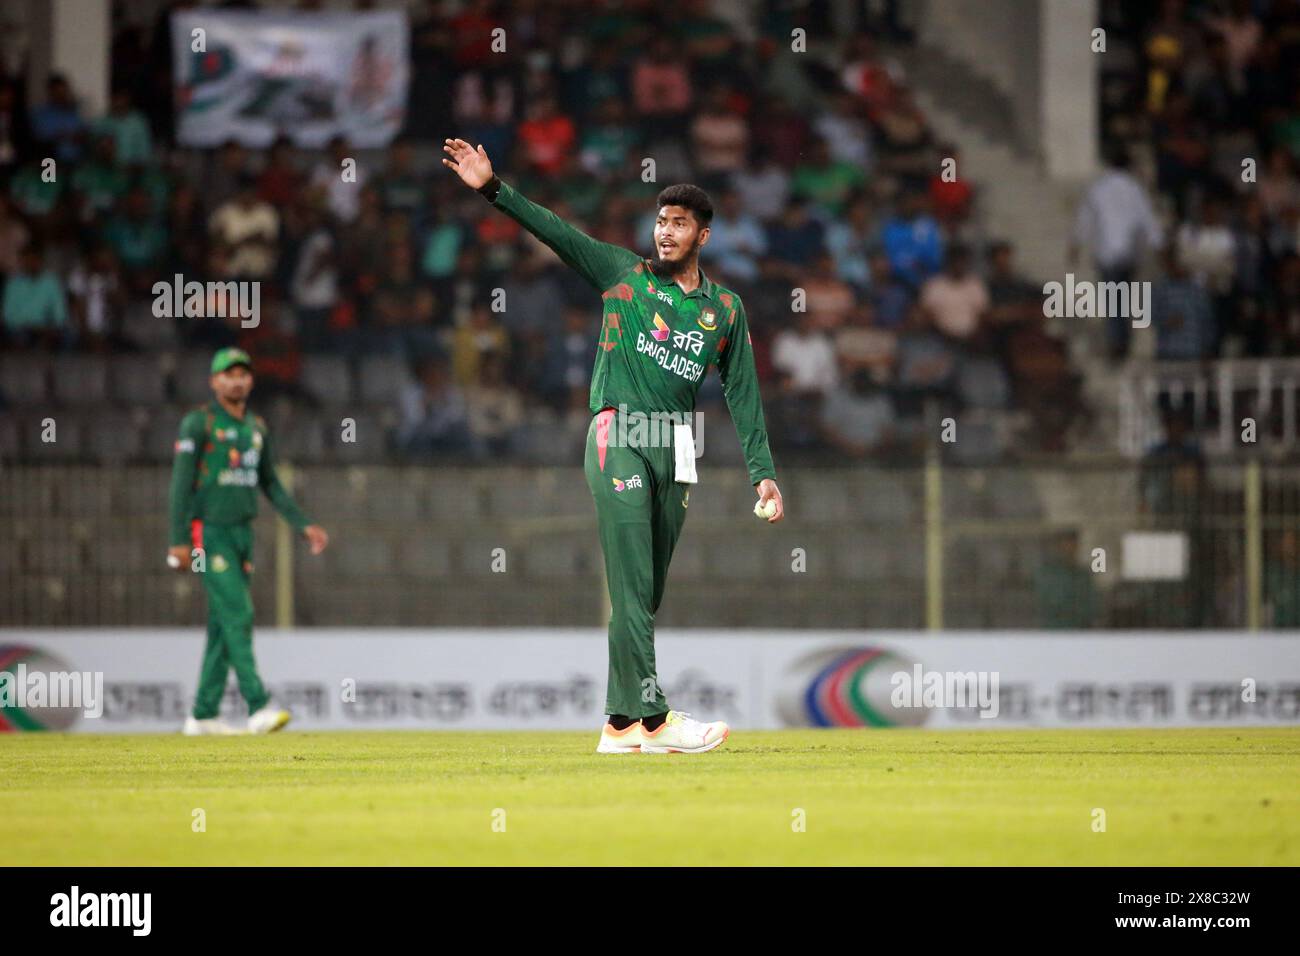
column 671, row 269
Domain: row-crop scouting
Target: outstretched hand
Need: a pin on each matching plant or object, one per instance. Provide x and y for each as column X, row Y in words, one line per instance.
column 470, row 164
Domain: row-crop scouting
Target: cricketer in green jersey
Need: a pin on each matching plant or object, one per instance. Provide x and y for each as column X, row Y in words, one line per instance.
column 222, row 457
column 664, row 323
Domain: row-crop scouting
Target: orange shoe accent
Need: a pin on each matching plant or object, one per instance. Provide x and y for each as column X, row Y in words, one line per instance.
column 615, row 732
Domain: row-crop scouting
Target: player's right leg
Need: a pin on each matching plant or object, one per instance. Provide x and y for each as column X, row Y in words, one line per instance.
column 621, row 487
column 228, row 573
column 675, row 732
column 203, row 720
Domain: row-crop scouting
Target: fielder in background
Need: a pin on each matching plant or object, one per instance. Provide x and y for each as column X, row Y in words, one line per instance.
column 223, row 456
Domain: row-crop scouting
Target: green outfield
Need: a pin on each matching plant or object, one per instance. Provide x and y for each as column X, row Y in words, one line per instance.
column 867, row 797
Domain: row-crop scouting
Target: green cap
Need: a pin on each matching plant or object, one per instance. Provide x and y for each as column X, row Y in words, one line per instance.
column 228, row 357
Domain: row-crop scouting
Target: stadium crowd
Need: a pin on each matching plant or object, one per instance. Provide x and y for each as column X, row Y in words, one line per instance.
column 872, row 291
column 1211, row 105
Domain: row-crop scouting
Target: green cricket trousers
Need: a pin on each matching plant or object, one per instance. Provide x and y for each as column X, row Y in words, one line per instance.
column 640, row 511
column 228, row 566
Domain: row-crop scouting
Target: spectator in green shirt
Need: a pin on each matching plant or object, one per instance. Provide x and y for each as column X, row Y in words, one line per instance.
column 100, row 182
column 1282, row 580
column 1286, row 130
column 138, row 239
column 1066, row 591
column 606, row 143
column 34, row 307
column 826, row 182
column 402, row 188
column 128, row 128
column 36, row 193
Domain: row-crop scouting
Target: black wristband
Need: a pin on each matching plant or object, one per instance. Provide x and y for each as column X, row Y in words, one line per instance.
column 490, row 188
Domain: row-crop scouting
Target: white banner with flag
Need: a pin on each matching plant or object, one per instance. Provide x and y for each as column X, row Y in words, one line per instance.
column 255, row 75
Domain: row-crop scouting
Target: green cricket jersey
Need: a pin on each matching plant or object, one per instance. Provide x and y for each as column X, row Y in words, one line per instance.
column 221, row 462
column 656, row 341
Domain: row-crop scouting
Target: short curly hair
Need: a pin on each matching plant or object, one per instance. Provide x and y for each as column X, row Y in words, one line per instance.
column 689, row 197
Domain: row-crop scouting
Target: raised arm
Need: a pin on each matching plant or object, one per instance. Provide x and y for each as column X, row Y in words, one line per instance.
column 600, row 263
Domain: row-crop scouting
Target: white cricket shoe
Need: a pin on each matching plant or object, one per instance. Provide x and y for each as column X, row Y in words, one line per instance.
column 267, row 720
column 210, row 726
column 681, row 734
column 625, row 741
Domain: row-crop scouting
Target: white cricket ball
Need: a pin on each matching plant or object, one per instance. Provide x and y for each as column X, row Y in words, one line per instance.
column 765, row 511
column 173, row 561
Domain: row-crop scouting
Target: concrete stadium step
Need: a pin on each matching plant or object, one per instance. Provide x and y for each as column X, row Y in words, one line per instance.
column 143, row 492
column 329, row 379
column 11, row 437
column 130, row 545
column 190, row 378
column 899, row 557
column 136, row 380
column 80, row 380
column 67, row 445
column 989, row 493
column 965, row 92
column 424, row 556
column 560, row 556
column 1017, row 200
column 361, row 556
column 25, row 379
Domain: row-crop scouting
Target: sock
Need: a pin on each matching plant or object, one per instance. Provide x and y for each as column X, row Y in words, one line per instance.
column 620, row 722
column 655, row 722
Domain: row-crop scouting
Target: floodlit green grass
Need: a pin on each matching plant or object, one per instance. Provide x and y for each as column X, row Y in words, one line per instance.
column 907, row 797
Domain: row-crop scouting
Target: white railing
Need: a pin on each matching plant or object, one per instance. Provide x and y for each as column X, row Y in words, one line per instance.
column 1221, row 394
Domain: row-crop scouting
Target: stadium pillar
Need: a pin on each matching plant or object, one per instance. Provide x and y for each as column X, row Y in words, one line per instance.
column 1254, row 548
column 1068, row 81
column 1039, row 55
column 284, row 561
column 933, row 542
column 72, row 37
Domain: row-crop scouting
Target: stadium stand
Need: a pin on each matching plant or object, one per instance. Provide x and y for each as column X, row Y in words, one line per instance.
column 363, row 299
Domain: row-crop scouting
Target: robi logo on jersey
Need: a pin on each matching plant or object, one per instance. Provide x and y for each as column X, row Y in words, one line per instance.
column 246, row 459
column 633, row 482
column 658, row 293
